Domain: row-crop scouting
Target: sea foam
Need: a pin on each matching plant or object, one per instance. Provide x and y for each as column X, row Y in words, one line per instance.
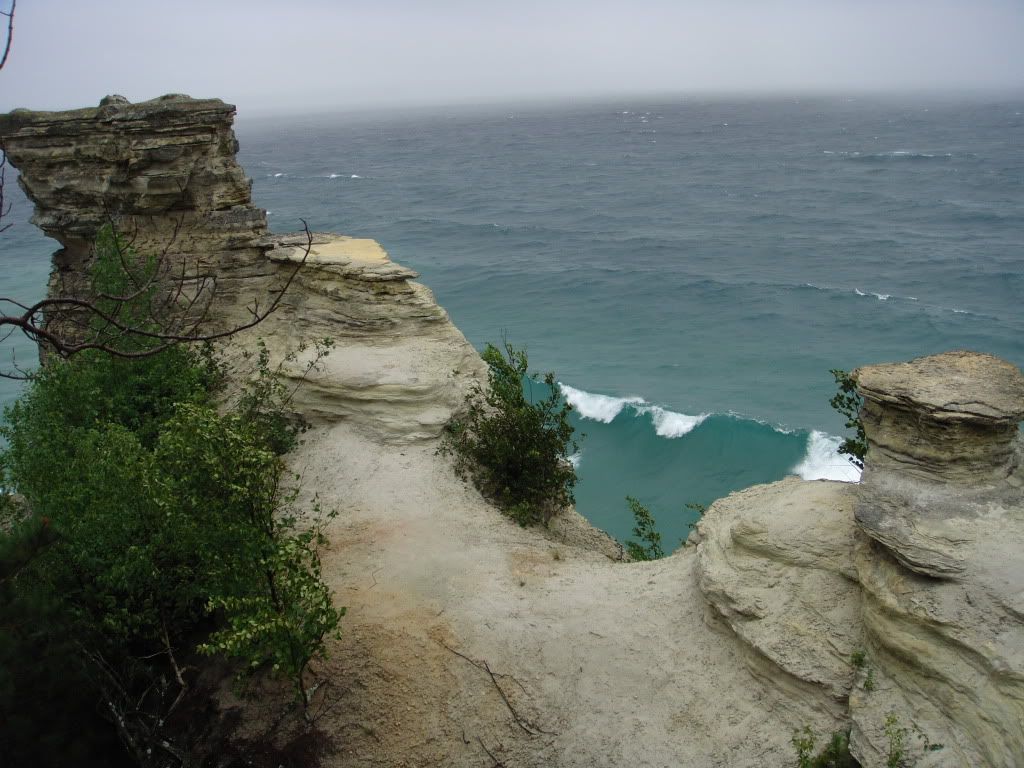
column 824, row 462
column 669, row 423
column 603, row 408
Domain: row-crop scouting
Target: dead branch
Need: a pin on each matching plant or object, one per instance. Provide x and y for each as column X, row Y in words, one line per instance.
column 497, row 762
column 10, row 33
column 484, row 666
column 169, row 322
column 5, row 207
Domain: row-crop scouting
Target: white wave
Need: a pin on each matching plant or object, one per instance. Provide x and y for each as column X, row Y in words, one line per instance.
column 824, row 462
column 356, row 176
column 879, row 296
column 334, row 176
column 278, row 175
column 669, row 423
column 575, row 459
column 961, row 311
column 603, row 408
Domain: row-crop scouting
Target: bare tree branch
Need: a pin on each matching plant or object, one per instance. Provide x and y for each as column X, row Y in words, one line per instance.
column 177, row 317
column 10, row 33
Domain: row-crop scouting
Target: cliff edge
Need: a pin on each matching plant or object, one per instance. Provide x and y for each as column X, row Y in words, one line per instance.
column 900, row 596
column 470, row 641
column 164, row 174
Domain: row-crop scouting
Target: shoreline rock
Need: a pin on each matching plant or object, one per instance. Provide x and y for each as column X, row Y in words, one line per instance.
column 712, row 656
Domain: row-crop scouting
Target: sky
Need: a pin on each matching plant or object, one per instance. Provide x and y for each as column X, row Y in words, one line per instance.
column 318, row 55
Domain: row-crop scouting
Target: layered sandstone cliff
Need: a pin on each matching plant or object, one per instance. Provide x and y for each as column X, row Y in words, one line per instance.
column 470, row 641
column 164, row 173
column 901, row 596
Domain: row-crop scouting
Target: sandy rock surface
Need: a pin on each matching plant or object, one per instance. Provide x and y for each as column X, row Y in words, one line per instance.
column 472, row 642
column 602, row 663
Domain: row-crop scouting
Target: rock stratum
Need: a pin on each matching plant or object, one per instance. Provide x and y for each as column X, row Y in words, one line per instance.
column 470, row 641
column 164, row 173
column 919, row 569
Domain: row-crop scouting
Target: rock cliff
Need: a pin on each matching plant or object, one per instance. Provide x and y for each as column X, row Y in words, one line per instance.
column 471, row 641
column 164, row 173
column 902, row 595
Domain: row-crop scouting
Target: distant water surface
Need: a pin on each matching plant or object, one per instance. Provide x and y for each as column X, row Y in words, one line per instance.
column 690, row 270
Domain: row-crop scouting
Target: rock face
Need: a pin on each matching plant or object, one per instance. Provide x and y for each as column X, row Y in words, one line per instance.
column 775, row 564
column 891, row 607
column 164, row 173
column 948, row 418
column 902, row 596
column 942, row 559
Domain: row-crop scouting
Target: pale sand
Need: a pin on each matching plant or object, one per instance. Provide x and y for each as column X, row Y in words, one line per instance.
column 340, row 249
column 351, row 249
column 604, row 663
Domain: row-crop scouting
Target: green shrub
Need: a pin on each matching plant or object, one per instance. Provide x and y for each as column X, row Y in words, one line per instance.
column 284, row 622
column 515, row 447
column 848, row 403
column 156, row 508
column 649, row 546
column 835, row 754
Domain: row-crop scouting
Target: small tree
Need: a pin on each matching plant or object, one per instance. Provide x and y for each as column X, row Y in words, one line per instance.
column 284, row 622
column 644, row 528
column 515, row 447
column 150, row 504
column 848, row 403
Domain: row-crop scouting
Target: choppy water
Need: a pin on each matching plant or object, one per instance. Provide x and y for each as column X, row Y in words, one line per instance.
column 690, row 270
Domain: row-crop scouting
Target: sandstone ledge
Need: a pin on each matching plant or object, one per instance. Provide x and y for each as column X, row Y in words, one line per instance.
column 710, row 657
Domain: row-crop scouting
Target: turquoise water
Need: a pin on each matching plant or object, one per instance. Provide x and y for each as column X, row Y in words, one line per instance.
column 690, row 270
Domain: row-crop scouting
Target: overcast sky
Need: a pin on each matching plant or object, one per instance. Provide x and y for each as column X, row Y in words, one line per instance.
column 320, row 55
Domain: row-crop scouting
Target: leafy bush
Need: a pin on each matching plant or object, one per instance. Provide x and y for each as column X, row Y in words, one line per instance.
column 835, row 754
column 149, row 508
column 285, row 621
column 514, row 447
column 848, row 403
column 649, row 546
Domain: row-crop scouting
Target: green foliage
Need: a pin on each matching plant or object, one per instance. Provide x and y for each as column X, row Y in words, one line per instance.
column 898, row 752
column 835, row 754
column 149, row 506
column 897, row 736
column 285, row 620
column 514, row 447
column 858, row 659
column 264, row 402
column 869, row 680
column 649, row 546
column 848, row 403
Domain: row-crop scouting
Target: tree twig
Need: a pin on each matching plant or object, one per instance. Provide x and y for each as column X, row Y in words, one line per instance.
column 10, row 33
column 484, row 666
column 497, row 762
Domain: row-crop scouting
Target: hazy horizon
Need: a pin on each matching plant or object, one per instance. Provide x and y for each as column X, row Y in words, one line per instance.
column 319, row 56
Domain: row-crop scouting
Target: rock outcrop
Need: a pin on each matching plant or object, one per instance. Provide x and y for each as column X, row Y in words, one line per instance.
column 164, row 173
column 891, row 607
column 775, row 564
column 900, row 599
column 941, row 558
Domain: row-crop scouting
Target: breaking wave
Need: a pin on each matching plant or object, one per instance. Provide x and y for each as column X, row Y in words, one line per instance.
column 604, row 408
column 823, row 460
